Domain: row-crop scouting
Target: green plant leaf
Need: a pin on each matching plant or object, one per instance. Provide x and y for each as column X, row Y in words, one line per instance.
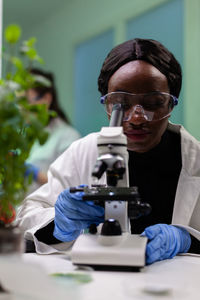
column 31, row 42
column 12, row 33
column 17, row 62
column 21, row 124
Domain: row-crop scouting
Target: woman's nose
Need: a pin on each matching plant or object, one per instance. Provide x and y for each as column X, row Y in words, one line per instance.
column 137, row 115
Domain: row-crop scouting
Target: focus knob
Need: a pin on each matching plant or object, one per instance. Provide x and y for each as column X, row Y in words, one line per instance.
column 111, row 227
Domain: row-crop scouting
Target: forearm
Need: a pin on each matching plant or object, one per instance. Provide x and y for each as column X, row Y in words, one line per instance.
column 35, row 224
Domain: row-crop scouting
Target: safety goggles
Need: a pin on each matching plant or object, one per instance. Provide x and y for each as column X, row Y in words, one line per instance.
column 150, row 107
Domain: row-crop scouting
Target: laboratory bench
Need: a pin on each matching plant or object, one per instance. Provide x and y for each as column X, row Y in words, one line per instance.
column 45, row 277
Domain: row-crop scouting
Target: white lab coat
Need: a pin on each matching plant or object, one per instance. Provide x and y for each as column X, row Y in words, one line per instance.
column 74, row 167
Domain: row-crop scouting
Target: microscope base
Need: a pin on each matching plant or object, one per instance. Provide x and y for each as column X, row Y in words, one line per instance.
column 114, row 253
column 108, row 268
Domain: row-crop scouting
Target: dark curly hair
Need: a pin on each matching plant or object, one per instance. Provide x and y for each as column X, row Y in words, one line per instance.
column 147, row 50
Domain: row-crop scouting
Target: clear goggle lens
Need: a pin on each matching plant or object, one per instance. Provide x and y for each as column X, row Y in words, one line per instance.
column 147, row 107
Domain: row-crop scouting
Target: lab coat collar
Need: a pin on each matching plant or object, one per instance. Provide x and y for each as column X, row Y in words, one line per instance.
column 188, row 189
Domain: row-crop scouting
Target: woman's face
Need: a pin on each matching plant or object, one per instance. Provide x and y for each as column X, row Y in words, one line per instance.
column 140, row 77
column 34, row 98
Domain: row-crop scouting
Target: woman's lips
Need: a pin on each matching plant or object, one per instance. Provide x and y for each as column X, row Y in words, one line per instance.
column 137, row 134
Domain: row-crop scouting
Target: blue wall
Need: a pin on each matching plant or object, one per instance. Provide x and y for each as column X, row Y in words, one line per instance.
column 89, row 56
column 165, row 24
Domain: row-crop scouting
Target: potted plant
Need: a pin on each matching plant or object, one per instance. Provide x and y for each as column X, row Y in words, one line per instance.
column 21, row 125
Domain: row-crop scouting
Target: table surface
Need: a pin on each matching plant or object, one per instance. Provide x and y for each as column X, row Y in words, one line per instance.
column 177, row 278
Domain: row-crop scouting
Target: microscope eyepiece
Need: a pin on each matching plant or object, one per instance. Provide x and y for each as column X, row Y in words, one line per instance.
column 116, row 115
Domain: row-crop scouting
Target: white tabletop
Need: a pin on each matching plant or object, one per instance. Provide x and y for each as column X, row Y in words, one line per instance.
column 177, row 278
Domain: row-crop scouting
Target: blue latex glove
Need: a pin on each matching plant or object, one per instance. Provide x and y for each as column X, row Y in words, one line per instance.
column 72, row 215
column 165, row 241
column 31, row 169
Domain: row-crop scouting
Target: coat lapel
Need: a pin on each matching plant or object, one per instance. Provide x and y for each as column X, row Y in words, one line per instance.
column 188, row 189
column 187, row 195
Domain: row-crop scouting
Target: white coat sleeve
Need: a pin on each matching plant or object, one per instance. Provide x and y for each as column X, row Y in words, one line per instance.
column 72, row 168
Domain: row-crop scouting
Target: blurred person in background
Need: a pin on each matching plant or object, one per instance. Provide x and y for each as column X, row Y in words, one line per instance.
column 61, row 132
